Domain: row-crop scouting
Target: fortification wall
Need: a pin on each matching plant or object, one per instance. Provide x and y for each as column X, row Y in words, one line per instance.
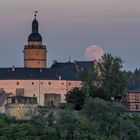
column 21, row 111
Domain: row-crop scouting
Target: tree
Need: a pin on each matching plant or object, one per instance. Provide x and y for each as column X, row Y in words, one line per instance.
column 111, row 121
column 50, row 133
column 113, row 79
column 95, row 108
column 126, row 129
column 86, row 129
column 76, row 97
column 67, row 123
column 105, row 79
column 91, row 80
column 133, row 79
column 50, row 119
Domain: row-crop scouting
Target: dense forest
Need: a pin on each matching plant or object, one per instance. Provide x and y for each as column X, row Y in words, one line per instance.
column 97, row 120
column 90, row 112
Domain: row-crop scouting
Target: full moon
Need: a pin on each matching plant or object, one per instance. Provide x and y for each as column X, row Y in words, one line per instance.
column 94, row 52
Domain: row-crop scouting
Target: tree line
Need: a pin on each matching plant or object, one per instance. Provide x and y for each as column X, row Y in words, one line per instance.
column 97, row 120
column 133, row 79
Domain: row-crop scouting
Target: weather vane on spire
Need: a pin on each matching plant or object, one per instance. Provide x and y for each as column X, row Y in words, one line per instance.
column 35, row 14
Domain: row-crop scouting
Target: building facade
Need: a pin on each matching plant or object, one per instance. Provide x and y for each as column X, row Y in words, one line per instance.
column 131, row 100
column 49, row 85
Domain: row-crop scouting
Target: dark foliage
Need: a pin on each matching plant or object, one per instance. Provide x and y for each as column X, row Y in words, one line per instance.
column 98, row 120
column 133, row 79
column 105, row 79
column 76, row 97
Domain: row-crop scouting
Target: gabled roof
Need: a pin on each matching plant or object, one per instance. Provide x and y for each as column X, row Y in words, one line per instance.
column 81, row 64
column 36, row 73
column 63, row 71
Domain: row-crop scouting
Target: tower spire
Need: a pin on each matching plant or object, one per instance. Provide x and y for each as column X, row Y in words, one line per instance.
column 35, row 14
column 35, row 24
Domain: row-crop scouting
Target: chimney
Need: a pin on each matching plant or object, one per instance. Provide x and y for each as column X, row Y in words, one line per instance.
column 75, row 62
column 40, row 69
column 59, row 77
column 54, row 62
column 13, row 68
column 77, row 66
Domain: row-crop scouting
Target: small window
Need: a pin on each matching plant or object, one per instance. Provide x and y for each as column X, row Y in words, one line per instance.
column 32, row 83
column 49, row 83
column 41, row 83
column 137, row 106
column 17, row 83
column 69, row 83
column 62, row 83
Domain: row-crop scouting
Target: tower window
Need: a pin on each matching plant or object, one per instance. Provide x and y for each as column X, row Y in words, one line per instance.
column 32, row 83
column 49, row 83
column 69, row 83
column 62, row 83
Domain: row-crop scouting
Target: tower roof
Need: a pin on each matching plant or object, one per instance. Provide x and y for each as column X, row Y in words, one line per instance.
column 35, row 36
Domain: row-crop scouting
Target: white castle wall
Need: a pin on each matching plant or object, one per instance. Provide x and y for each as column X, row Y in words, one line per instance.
column 40, row 87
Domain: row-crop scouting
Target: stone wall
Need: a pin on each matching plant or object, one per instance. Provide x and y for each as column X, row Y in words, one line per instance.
column 21, row 111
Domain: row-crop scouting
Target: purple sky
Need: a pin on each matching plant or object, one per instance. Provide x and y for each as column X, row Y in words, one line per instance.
column 68, row 27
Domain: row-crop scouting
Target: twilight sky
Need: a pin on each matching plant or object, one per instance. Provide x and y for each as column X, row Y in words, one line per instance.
column 68, row 27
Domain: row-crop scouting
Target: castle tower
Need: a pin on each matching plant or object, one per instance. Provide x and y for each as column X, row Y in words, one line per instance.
column 35, row 53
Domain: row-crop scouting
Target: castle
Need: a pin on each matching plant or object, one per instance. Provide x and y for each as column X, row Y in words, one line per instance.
column 48, row 85
column 19, row 87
